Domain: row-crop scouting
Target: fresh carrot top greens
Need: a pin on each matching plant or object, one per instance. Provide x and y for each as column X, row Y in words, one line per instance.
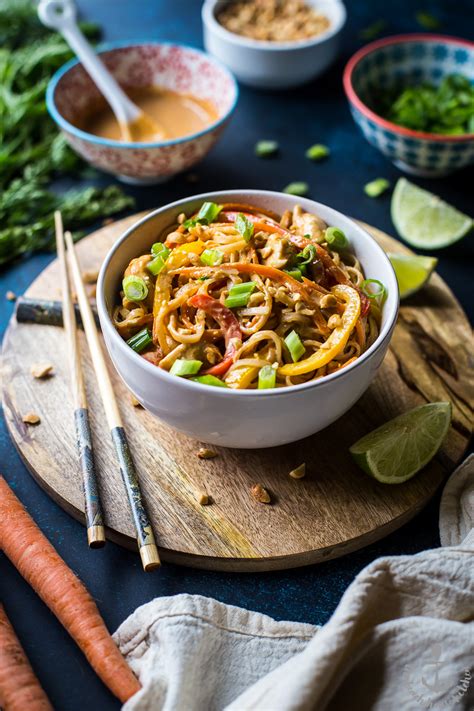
column 249, row 299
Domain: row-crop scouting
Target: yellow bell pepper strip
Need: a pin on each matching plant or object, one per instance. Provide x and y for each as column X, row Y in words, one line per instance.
column 240, row 378
column 196, row 247
column 336, row 341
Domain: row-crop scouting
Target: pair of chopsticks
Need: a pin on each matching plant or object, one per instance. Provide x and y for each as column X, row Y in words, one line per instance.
column 94, row 519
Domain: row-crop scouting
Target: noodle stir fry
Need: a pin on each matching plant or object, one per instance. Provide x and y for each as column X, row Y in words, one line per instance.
column 239, row 297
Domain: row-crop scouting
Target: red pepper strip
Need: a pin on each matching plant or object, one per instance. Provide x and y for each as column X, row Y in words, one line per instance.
column 229, row 324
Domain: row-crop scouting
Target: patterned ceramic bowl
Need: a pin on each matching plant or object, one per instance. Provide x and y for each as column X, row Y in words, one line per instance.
column 71, row 94
column 414, row 58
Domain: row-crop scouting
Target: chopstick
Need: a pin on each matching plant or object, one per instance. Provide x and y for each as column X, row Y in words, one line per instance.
column 93, row 510
column 145, row 537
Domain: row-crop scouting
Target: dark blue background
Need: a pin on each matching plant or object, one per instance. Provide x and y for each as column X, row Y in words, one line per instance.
column 315, row 113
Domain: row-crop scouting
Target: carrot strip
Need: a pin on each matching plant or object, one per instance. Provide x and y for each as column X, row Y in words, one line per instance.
column 61, row 590
column 19, row 687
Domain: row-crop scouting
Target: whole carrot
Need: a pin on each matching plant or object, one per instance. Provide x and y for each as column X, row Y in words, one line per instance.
column 62, row 591
column 19, row 687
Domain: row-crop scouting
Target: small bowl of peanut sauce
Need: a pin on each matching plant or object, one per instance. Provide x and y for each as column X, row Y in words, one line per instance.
column 188, row 93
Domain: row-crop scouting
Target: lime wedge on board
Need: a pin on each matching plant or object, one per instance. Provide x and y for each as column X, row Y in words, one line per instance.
column 424, row 220
column 412, row 271
column 397, row 450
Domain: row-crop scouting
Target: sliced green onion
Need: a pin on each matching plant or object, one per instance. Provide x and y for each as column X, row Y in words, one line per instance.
column 210, row 380
column 376, row 187
column 317, row 152
column 185, row 367
column 263, row 149
column 372, row 31
column 212, row 257
column 158, row 248
column 157, row 264
column 239, row 295
column 295, row 273
column 266, row 377
column 244, row 226
column 427, row 20
column 295, row 346
column 208, row 212
column 140, row 340
column 134, row 288
column 308, row 255
column 204, row 278
column 298, row 188
column 336, row 238
column 380, row 293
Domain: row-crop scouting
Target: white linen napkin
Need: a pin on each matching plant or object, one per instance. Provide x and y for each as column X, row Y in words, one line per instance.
column 402, row 638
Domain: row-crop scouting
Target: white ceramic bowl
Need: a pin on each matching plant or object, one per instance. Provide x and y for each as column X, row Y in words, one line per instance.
column 274, row 65
column 242, row 418
column 71, row 93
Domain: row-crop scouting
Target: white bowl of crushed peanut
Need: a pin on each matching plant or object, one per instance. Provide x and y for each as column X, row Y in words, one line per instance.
column 274, row 44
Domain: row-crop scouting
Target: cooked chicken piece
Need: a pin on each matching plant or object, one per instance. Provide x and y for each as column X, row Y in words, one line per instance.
column 304, row 223
column 276, row 251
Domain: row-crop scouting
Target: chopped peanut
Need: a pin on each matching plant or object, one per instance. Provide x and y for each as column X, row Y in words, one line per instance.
column 204, row 453
column 299, row 472
column 41, row 370
column 134, row 401
column 10, row 296
column 328, row 301
column 90, row 276
column 204, row 499
column 260, row 494
column 31, row 418
column 334, row 321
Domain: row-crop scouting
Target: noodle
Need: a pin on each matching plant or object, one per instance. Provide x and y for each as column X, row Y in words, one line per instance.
column 231, row 291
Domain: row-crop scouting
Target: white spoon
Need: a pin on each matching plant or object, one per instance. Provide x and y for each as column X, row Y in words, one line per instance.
column 135, row 125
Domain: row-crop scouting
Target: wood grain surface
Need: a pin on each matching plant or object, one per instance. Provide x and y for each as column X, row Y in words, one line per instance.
column 335, row 509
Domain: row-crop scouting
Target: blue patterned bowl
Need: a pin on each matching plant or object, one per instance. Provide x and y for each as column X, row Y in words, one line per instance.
column 414, row 59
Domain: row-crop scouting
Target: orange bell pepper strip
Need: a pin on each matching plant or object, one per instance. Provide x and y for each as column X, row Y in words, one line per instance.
column 336, row 341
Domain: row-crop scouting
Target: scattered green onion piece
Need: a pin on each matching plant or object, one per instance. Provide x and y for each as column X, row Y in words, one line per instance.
column 308, row 255
column 380, row 294
column 208, row 212
column 140, row 340
column 212, row 257
column 158, row 248
column 336, row 238
column 266, row 377
column 295, row 273
column 185, row 367
column 299, row 189
column 264, row 149
column 135, row 288
column 203, row 278
column 239, row 295
column 317, row 152
column 295, row 346
column 191, row 222
column 376, row 187
column 372, row 31
column 210, row 380
column 427, row 20
column 156, row 265
column 244, row 226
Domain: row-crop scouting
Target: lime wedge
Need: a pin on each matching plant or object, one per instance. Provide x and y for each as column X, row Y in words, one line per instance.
column 412, row 271
column 424, row 220
column 397, row 450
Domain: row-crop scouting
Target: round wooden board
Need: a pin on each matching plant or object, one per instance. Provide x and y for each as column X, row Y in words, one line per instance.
column 334, row 510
